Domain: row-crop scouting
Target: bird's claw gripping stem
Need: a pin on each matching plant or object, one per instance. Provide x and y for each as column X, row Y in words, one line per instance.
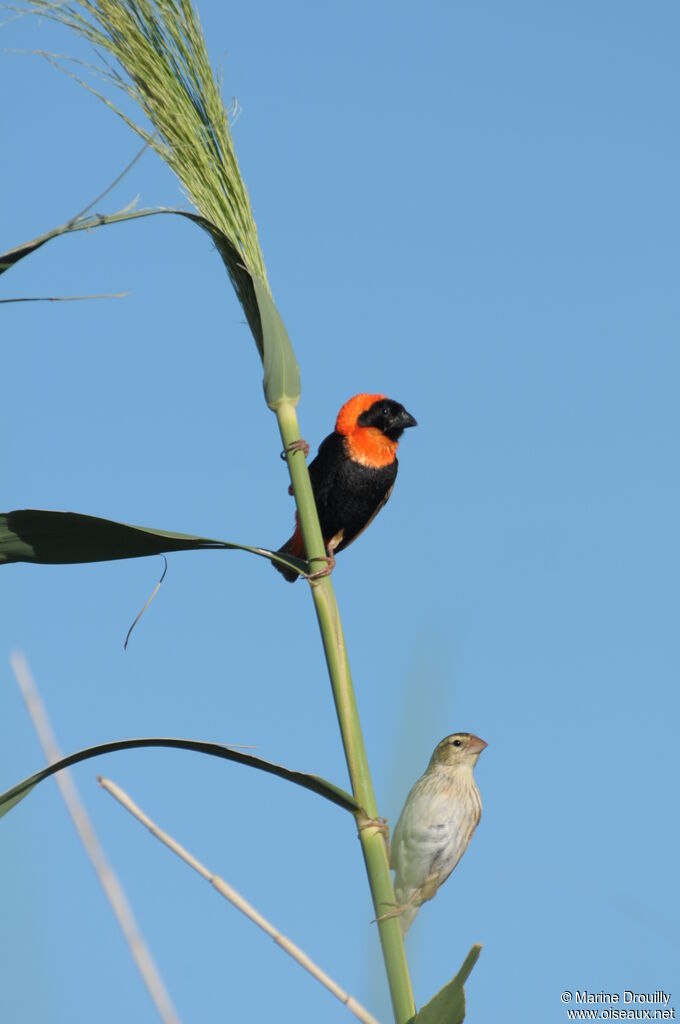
column 399, row 909
column 328, row 568
column 380, row 825
column 295, row 446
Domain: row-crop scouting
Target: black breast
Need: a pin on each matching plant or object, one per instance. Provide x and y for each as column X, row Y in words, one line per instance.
column 347, row 494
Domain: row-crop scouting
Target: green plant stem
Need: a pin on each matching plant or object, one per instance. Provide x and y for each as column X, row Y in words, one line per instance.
column 372, row 843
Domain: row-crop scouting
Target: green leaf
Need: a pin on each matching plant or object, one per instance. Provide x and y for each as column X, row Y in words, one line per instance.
column 86, row 223
column 232, row 258
column 14, row 796
column 281, row 371
column 314, row 783
column 448, row 1006
column 68, row 538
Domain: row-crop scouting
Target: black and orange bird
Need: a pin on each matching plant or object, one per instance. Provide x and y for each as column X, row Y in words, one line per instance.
column 353, row 473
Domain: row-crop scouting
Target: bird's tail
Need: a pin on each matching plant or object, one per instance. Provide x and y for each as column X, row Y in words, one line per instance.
column 294, row 546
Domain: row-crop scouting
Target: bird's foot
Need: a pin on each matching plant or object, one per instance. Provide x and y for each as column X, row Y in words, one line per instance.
column 397, row 911
column 380, row 825
column 295, row 446
column 377, row 823
column 328, row 568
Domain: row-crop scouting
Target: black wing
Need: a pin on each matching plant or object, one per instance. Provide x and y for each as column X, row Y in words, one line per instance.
column 323, row 469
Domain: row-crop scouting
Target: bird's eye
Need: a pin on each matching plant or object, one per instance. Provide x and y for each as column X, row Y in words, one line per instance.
column 385, row 411
column 457, row 743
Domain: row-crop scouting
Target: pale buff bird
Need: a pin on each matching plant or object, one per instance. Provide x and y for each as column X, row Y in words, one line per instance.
column 440, row 814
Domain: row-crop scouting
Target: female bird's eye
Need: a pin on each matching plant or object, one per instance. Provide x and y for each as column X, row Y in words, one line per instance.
column 457, row 743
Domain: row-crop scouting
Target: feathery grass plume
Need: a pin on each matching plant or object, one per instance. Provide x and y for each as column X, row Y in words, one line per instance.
column 161, row 52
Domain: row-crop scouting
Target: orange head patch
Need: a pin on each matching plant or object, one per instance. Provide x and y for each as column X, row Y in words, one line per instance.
column 365, row 445
column 371, row 426
column 352, row 410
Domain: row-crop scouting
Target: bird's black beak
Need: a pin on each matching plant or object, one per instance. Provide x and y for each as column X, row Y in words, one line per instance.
column 399, row 421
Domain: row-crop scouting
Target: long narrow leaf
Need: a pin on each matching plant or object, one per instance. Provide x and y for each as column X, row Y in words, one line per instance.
column 281, row 372
column 314, row 783
column 241, row 278
column 69, row 538
column 12, row 256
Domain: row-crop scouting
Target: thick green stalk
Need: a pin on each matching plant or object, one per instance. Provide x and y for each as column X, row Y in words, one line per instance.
column 372, row 844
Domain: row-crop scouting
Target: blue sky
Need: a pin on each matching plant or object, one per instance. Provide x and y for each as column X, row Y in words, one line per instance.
column 472, row 208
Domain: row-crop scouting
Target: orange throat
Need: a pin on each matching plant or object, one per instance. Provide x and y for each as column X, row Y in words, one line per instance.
column 370, row 447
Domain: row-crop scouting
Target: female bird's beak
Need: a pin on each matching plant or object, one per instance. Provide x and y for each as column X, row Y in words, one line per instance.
column 476, row 746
